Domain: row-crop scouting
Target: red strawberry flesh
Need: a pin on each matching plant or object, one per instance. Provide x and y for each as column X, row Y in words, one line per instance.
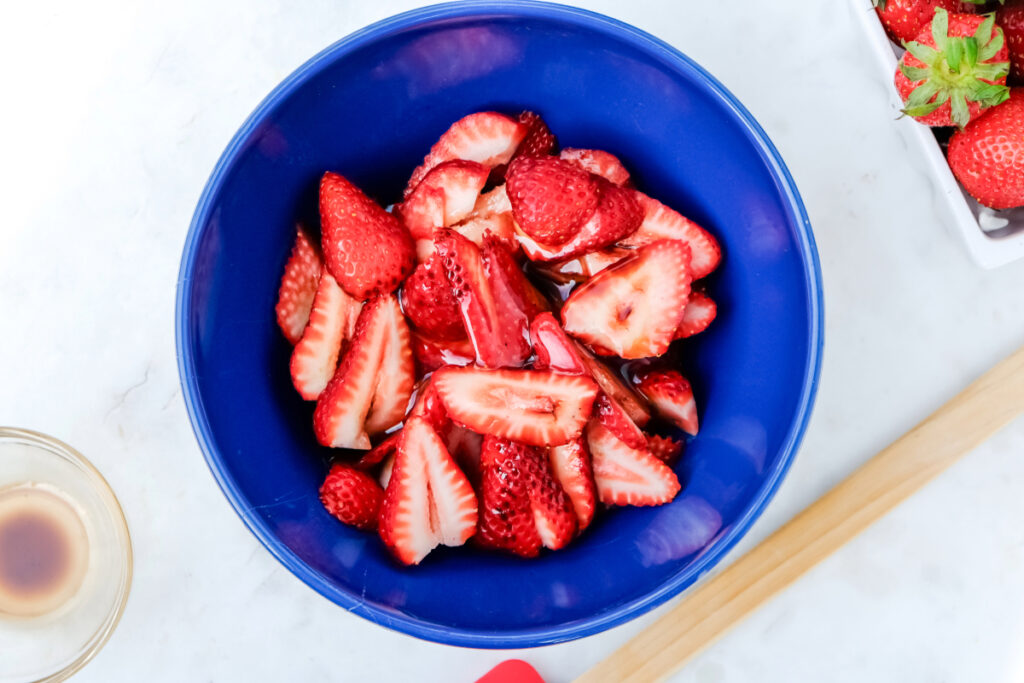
column 298, row 286
column 352, row 496
column 672, row 396
column 661, row 222
column 628, row 476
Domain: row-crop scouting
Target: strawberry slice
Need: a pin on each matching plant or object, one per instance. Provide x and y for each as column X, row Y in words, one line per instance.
column 395, row 376
column 431, row 354
column 665, row 449
column 571, row 465
column 627, row 476
column 445, row 196
column 610, row 414
column 634, row 307
column 535, row 407
column 672, row 397
column 508, row 280
column 429, row 501
column 496, row 325
column 428, row 406
column 331, row 321
column 485, row 137
column 554, row 349
column 699, row 313
column 366, row 249
column 428, row 301
column 298, row 286
column 493, row 202
column 598, row 162
column 661, row 222
column 539, row 140
column 523, row 507
column 379, row 453
column 551, row 198
column 352, row 497
column 344, row 404
column 618, row 215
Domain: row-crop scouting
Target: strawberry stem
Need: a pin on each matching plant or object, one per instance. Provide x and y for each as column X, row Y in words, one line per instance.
column 957, row 70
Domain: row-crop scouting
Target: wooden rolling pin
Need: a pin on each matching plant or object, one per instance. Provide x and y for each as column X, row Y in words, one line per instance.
column 956, row 428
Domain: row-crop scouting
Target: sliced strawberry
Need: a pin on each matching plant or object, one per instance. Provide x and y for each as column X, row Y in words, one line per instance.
column 536, row 407
column 551, row 198
column 699, row 313
column 665, row 449
column 331, row 321
column 610, row 414
column 598, row 162
column 499, row 225
column 506, row 515
column 523, row 506
column 485, row 137
column 554, row 349
column 366, row 249
column 496, row 326
column 618, row 215
column 429, row 501
column 344, row 404
column 539, row 140
column 445, row 196
column 465, row 446
column 672, row 397
column 379, row 453
column 508, row 280
column 428, row 301
column 298, row 286
column 584, row 267
column 661, row 222
column 395, row 376
column 493, row 202
column 627, row 476
column 571, row 465
column 611, row 383
column 634, row 307
column 428, row 406
column 431, row 354
column 352, row 496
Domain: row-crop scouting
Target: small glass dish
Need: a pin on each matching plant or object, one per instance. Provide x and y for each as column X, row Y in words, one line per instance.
column 54, row 645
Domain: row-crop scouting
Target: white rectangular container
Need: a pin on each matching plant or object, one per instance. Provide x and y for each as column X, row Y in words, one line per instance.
column 993, row 238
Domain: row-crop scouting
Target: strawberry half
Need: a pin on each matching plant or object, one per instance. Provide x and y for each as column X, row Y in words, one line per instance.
column 539, row 140
column 628, row 476
column 395, row 375
column 618, row 215
column 665, row 449
column 341, row 411
column 431, row 354
column 428, row 301
column 445, row 196
column 551, row 198
column 523, row 507
column 298, row 286
column 633, row 308
column 496, row 325
column 331, row 321
column 429, row 501
column 352, row 497
column 365, row 247
column 672, row 396
column 571, row 465
column 485, row 137
column 598, row 162
column 699, row 313
column 661, row 222
column 535, row 407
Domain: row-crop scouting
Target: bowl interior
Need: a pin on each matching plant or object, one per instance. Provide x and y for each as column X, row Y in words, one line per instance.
column 369, row 108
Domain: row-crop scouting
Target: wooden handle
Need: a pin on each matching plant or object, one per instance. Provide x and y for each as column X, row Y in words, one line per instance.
column 956, row 428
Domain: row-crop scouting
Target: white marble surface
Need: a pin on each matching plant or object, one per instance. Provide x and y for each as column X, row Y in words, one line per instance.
column 115, row 113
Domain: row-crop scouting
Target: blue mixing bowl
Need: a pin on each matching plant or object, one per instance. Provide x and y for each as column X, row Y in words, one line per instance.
column 369, row 107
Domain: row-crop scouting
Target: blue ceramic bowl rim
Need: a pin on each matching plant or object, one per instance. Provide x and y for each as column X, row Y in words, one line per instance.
column 546, row 635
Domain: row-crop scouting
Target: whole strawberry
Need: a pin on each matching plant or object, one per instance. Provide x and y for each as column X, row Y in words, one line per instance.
column 353, row 497
column 1011, row 19
column 987, row 156
column 956, row 67
column 367, row 250
column 903, row 19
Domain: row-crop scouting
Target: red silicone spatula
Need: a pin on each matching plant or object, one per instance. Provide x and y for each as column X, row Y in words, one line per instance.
column 512, row 671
